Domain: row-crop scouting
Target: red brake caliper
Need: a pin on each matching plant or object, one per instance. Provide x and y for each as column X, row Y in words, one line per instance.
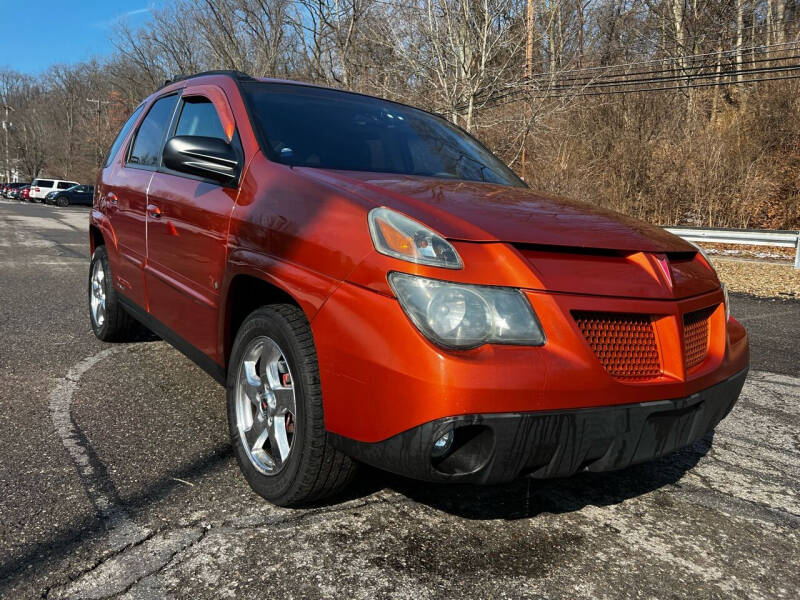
column 287, row 381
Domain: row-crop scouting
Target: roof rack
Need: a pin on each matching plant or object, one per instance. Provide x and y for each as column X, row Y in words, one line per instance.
column 237, row 75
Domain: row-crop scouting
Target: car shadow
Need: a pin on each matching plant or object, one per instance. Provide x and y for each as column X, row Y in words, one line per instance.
column 521, row 499
column 527, row 497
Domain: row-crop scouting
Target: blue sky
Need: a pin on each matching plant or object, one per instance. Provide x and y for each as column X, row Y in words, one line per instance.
column 38, row 33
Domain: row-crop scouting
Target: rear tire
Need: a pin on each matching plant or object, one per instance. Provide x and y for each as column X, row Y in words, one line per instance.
column 311, row 468
column 110, row 322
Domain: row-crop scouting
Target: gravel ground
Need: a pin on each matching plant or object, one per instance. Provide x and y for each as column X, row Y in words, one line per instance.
column 766, row 280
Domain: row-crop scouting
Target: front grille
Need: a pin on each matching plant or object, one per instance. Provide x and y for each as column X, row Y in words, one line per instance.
column 625, row 344
column 696, row 336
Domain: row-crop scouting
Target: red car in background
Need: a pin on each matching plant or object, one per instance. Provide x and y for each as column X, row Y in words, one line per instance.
column 371, row 284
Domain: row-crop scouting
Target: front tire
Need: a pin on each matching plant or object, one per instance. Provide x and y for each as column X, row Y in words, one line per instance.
column 110, row 322
column 275, row 411
column 62, row 201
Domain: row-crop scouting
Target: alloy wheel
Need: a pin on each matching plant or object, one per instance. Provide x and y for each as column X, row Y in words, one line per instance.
column 97, row 299
column 266, row 410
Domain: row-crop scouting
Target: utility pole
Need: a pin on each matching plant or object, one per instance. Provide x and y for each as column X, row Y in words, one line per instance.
column 528, row 72
column 99, row 104
column 529, row 41
column 6, row 126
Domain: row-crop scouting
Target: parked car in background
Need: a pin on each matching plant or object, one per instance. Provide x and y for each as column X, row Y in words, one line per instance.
column 369, row 282
column 10, row 187
column 77, row 194
column 24, row 193
column 41, row 187
column 17, row 192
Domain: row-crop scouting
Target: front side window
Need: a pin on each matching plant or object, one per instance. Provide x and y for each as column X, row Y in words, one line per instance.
column 199, row 117
column 122, row 135
column 329, row 129
column 149, row 142
column 64, row 185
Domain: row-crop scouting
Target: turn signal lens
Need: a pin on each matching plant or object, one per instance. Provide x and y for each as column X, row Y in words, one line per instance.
column 398, row 236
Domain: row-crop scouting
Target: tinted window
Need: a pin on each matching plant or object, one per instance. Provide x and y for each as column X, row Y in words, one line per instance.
column 42, row 183
column 65, row 185
column 123, row 133
column 150, row 138
column 199, row 117
column 312, row 127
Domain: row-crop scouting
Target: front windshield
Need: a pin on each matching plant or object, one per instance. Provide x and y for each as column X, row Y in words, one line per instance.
column 316, row 127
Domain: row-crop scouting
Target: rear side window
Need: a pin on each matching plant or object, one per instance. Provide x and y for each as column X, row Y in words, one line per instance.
column 43, row 183
column 123, row 133
column 199, row 117
column 152, row 132
column 65, row 185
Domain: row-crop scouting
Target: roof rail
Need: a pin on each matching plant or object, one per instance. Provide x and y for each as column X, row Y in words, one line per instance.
column 237, row 75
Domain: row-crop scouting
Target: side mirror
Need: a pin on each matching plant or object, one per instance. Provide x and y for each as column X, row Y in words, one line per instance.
column 204, row 156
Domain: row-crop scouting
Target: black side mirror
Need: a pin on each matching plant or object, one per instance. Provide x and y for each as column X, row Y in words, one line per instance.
column 204, row 156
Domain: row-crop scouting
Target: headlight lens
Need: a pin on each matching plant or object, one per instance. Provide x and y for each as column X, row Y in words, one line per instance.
column 457, row 315
column 398, row 236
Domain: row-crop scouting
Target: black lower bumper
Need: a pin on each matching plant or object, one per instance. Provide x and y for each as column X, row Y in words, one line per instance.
column 499, row 447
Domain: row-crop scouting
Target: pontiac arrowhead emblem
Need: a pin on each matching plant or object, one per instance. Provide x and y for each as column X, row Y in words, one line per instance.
column 663, row 262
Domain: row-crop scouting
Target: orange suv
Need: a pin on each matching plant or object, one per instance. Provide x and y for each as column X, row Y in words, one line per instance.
column 372, row 285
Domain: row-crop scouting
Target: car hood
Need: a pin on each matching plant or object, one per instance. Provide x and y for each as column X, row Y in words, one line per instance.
column 483, row 212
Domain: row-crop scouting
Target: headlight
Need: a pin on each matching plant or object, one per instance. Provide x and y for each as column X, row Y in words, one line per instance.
column 457, row 315
column 398, row 236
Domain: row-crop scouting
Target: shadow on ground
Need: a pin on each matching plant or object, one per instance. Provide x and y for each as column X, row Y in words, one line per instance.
column 521, row 499
column 526, row 498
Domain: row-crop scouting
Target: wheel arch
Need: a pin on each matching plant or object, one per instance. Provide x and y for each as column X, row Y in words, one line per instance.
column 96, row 238
column 246, row 293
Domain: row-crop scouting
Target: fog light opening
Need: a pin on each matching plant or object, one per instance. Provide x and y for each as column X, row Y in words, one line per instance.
column 443, row 444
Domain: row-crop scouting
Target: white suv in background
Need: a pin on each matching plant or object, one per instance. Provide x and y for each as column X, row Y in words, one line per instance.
column 41, row 187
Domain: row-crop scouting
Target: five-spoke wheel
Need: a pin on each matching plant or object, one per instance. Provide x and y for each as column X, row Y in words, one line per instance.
column 97, row 294
column 275, row 411
column 266, row 411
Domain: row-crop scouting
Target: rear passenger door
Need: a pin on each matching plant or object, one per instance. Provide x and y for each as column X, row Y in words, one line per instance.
column 187, row 227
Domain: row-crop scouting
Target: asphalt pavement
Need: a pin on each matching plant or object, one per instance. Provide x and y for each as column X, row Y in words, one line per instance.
column 117, row 480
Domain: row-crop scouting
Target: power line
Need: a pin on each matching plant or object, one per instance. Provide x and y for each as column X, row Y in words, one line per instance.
column 686, row 78
column 560, row 87
column 646, row 89
column 683, row 69
column 683, row 57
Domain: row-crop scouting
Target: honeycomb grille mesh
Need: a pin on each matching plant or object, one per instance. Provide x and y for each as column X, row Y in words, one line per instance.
column 696, row 336
column 624, row 343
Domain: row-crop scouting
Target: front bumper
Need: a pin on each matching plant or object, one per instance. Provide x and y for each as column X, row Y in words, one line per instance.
column 499, row 447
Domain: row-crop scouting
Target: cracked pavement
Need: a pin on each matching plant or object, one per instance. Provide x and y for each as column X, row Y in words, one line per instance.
column 117, row 480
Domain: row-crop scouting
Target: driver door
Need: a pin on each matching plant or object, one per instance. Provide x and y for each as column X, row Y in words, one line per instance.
column 187, row 227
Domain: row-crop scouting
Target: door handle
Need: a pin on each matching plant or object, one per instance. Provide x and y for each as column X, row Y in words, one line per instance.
column 153, row 211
